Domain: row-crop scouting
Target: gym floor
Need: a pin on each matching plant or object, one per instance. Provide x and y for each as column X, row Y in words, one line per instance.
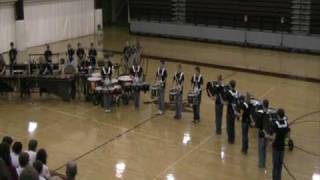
column 139, row 144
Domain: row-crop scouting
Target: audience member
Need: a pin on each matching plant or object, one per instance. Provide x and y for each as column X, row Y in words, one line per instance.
column 32, row 150
column 71, row 170
column 8, row 140
column 38, row 166
column 16, row 151
column 23, row 162
column 29, row 173
column 42, row 156
column 4, row 172
column 5, row 156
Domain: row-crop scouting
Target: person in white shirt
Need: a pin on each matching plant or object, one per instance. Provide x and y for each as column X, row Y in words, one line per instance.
column 16, row 151
column 23, row 162
column 42, row 157
column 32, row 151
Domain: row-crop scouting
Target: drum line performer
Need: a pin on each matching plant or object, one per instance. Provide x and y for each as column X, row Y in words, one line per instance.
column 81, row 54
column 93, row 56
column 13, row 57
column 161, row 77
column 245, row 107
column 280, row 130
column 262, row 140
column 196, row 84
column 218, row 104
column 48, row 69
column 136, row 73
column 70, row 54
column 178, row 80
column 106, row 73
column 231, row 112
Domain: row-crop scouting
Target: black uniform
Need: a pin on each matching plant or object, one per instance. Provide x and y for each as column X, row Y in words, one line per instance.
column 245, row 123
column 136, row 72
column 13, row 58
column 179, row 79
column 281, row 129
column 81, row 54
column 93, row 56
column 70, row 54
column 47, row 56
column 106, row 72
column 231, row 98
column 219, row 107
column 47, row 67
column 197, row 82
column 162, row 75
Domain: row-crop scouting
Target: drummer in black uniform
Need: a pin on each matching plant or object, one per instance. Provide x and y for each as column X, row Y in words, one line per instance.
column 106, row 73
column 70, row 54
column 81, row 53
column 245, row 107
column 161, row 77
column 281, row 130
column 136, row 73
column 12, row 56
column 48, row 61
column 262, row 140
column 196, row 84
column 218, row 104
column 93, row 56
column 178, row 80
column 231, row 112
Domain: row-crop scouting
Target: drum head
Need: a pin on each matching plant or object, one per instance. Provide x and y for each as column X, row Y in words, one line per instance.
column 125, row 78
column 94, row 79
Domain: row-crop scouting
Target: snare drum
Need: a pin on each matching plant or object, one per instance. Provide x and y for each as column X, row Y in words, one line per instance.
column 192, row 97
column 154, row 91
column 173, row 95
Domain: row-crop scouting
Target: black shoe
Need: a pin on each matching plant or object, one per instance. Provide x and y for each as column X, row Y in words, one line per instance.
column 218, row 133
column 176, row 117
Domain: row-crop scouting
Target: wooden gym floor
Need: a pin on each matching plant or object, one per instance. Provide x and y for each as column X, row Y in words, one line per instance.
column 139, row 145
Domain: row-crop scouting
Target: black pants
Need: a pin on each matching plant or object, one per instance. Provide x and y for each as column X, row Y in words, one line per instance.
column 230, row 125
column 196, row 108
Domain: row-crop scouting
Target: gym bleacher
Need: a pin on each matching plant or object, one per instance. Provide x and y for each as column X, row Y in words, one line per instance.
column 315, row 17
column 151, row 10
column 261, row 14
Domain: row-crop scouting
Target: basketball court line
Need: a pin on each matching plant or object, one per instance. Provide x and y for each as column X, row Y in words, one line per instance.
column 109, row 141
column 182, row 157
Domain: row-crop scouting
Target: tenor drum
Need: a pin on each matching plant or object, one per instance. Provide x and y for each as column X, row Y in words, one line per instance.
column 173, row 95
column 124, row 79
